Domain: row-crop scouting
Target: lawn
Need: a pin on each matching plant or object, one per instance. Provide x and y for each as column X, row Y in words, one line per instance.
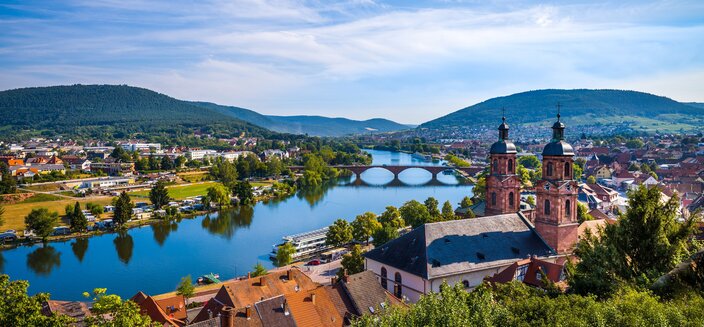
column 194, row 176
column 44, row 187
column 15, row 213
column 180, row 192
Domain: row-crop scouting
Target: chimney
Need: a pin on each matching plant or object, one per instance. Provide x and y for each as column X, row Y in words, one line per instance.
column 312, row 298
column 227, row 317
column 248, row 312
column 289, row 274
column 249, row 275
column 345, row 276
column 261, row 281
column 285, row 307
column 333, row 280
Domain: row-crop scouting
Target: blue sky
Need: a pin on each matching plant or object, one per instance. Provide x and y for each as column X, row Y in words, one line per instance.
column 410, row 61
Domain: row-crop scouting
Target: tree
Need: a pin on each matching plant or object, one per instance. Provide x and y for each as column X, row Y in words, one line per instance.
column 219, row 194
column 392, row 217
column 583, row 213
column 479, row 188
column 19, row 309
column 185, row 288
column 284, row 254
column 2, row 215
column 530, row 200
column 274, row 166
column 432, row 204
column 95, row 209
column 352, row 262
column 166, row 163
column 415, row 213
column 123, row 209
column 447, row 212
column 78, row 221
column 339, row 233
column 364, row 226
column 159, row 195
column 224, row 171
column 578, row 171
column 466, row 202
column 243, row 191
column 647, row 242
column 42, row 222
column 8, row 184
column 259, row 270
column 530, row 161
column 385, row 234
column 111, row 311
column 591, row 179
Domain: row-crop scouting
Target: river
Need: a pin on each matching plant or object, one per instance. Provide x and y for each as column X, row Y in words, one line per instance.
column 154, row 258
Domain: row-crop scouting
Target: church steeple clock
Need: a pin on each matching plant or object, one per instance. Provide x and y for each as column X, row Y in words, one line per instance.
column 503, row 186
column 556, row 214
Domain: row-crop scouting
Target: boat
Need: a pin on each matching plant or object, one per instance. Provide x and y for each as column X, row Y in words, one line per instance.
column 306, row 244
column 425, row 157
column 209, row 279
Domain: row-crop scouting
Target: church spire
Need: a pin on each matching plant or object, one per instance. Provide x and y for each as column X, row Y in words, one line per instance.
column 503, row 128
column 558, row 129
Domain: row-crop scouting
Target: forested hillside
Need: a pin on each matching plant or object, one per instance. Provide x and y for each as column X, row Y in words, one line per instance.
column 580, row 107
column 108, row 111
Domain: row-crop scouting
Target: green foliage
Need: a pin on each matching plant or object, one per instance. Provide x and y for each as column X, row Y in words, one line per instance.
column 219, row 194
column 634, row 143
column 466, row 202
column 95, row 209
column 415, row 213
column 530, row 162
column 78, row 221
column 123, row 209
column 591, row 179
column 352, row 262
column 432, row 204
column 578, row 171
column 583, row 213
column 364, row 226
column 18, row 309
column 339, row 233
column 479, row 189
column 447, row 212
column 185, row 287
column 284, row 254
column 530, row 200
column 8, row 184
column 2, row 215
column 457, row 161
column 243, row 191
column 41, row 221
column 159, row 195
column 111, row 311
column 259, row 270
column 385, row 234
column 225, row 171
column 647, row 242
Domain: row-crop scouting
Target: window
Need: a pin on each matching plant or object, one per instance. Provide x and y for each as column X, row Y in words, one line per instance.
column 568, row 208
column 496, row 167
column 510, row 166
column 547, row 207
column 493, row 198
column 567, row 171
column 384, row 281
column 549, row 169
column 521, row 272
column 510, row 200
column 465, row 283
column 398, row 288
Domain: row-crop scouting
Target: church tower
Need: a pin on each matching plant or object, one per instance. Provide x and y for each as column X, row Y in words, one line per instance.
column 556, row 214
column 503, row 186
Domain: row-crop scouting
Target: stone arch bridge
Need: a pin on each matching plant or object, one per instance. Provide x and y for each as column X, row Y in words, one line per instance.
column 396, row 170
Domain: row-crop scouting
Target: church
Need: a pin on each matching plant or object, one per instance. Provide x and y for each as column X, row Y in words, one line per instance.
column 469, row 250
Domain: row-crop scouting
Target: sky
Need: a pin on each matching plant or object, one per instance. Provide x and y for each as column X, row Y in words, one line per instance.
column 409, row 61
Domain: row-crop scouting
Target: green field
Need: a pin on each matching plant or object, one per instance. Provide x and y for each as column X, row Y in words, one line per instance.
column 180, row 192
column 15, row 213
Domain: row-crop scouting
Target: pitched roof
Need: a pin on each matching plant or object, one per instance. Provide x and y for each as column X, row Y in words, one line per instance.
column 445, row 248
column 149, row 307
column 272, row 312
column 532, row 276
column 74, row 309
column 314, row 308
column 366, row 293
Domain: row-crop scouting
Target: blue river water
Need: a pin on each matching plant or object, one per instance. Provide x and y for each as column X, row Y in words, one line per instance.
column 154, row 258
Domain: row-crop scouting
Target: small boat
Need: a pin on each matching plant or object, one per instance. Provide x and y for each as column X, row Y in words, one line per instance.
column 209, row 279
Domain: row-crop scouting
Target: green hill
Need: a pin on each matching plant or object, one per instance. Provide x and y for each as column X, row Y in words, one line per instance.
column 580, row 107
column 311, row 125
column 108, row 111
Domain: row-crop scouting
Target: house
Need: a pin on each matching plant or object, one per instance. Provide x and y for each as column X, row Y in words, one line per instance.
column 622, row 176
column 79, row 311
column 167, row 312
column 77, row 163
column 602, row 172
column 113, row 168
column 531, row 271
column 469, row 250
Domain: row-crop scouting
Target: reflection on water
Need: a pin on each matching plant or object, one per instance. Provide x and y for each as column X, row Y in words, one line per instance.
column 79, row 248
column 43, row 260
column 227, row 221
column 163, row 229
column 2, row 263
column 124, row 246
column 314, row 194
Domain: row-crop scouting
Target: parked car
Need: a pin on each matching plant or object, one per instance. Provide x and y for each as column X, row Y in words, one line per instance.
column 313, row 262
column 61, row 230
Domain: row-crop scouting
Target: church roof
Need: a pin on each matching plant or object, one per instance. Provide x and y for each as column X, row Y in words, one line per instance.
column 445, row 248
column 502, row 146
column 558, row 148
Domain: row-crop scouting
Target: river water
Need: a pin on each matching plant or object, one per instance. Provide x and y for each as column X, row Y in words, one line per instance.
column 154, row 258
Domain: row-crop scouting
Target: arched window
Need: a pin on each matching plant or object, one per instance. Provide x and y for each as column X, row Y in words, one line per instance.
column 398, row 288
column 465, row 283
column 567, row 171
column 496, row 167
column 549, row 168
column 510, row 200
column 547, row 207
column 384, row 281
column 510, row 166
column 493, row 198
column 568, row 208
